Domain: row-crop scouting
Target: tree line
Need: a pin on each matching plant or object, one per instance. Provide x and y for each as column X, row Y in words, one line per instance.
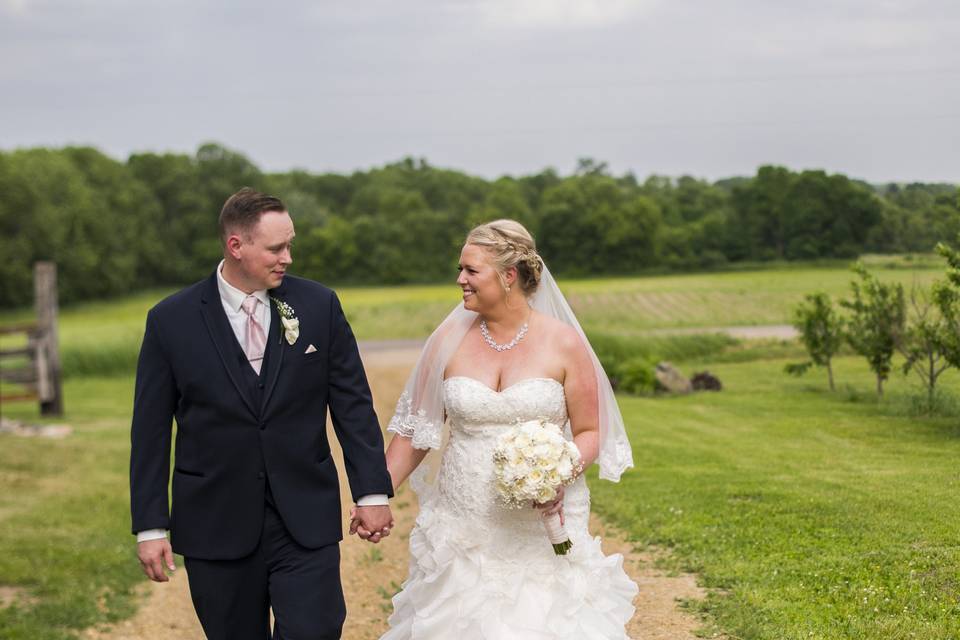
column 115, row 226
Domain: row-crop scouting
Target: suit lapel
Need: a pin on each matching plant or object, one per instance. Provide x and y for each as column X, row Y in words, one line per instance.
column 276, row 342
column 222, row 335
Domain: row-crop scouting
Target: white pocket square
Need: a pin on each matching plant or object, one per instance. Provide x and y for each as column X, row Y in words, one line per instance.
column 310, row 349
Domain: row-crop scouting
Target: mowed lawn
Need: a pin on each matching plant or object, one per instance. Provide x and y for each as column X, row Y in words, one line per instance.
column 811, row 514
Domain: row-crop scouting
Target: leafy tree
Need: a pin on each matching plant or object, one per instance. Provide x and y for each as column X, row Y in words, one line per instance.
column 760, row 215
column 184, row 219
column 504, row 199
column 876, row 325
column 590, row 224
column 926, row 343
column 946, row 296
column 821, row 331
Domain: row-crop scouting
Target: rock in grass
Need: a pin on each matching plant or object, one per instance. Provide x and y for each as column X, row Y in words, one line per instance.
column 670, row 379
column 706, row 381
column 17, row 428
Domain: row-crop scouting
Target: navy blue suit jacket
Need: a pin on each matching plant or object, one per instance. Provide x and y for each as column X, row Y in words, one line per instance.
column 228, row 446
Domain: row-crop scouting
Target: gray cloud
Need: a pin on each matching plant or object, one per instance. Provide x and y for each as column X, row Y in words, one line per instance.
column 871, row 89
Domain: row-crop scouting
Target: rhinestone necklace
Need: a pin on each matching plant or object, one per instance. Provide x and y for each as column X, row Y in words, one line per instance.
column 501, row 347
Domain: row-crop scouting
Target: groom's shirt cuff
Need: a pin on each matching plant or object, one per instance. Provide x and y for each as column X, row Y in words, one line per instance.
column 151, row 534
column 374, row 499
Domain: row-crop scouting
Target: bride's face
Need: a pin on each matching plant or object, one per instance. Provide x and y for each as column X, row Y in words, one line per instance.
column 481, row 285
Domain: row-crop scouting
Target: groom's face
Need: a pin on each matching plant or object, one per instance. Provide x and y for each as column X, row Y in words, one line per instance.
column 265, row 254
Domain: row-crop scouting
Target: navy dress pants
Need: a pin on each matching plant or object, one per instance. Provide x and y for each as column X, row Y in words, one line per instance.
column 233, row 597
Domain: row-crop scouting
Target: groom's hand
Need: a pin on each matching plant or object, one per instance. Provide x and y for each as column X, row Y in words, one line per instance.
column 372, row 523
column 154, row 554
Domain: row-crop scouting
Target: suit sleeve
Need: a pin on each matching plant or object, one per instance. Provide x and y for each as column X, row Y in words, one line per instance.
column 154, row 404
column 351, row 408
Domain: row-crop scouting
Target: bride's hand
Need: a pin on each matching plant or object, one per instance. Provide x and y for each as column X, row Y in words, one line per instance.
column 555, row 506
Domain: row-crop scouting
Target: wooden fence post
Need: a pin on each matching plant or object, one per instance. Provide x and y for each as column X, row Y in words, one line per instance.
column 49, row 386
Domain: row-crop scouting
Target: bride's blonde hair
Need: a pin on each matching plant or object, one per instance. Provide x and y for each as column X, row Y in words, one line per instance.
column 510, row 245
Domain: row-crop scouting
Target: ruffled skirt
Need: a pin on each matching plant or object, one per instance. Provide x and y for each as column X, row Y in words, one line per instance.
column 497, row 578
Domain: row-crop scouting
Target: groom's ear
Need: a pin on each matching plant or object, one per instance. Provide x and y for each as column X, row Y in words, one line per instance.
column 232, row 244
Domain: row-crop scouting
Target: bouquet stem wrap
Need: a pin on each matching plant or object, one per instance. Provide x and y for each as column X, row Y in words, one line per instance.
column 556, row 533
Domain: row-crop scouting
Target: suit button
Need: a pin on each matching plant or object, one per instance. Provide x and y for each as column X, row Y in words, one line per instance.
column 260, row 386
column 261, row 475
column 263, row 425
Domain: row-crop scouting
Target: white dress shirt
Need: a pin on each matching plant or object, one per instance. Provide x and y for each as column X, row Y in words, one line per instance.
column 232, row 299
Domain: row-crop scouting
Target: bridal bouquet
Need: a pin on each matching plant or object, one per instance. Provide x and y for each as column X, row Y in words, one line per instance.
column 530, row 461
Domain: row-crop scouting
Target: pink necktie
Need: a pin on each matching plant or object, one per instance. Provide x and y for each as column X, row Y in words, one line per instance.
column 255, row 340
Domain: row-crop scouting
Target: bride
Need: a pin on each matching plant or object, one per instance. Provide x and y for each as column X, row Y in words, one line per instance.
column 512, row 351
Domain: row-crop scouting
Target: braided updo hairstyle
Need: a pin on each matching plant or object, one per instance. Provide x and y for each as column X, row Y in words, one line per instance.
column 510, row 245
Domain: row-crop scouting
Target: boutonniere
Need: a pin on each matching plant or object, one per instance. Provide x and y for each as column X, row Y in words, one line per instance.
column 291, row 325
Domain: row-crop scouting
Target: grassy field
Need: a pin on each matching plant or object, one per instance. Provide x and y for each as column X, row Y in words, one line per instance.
column 65, row 544
column 810, row 514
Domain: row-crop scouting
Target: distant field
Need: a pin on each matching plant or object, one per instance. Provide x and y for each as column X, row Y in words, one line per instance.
column 103, row 338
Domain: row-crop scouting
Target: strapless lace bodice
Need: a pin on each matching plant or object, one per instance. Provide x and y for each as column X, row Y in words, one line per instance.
column 483, row 571
column 471, row 404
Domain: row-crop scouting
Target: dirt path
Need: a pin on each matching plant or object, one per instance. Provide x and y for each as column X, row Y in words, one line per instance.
column 373, row 573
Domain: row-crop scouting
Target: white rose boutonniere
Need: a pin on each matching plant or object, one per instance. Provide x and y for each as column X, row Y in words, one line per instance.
column 291, row 324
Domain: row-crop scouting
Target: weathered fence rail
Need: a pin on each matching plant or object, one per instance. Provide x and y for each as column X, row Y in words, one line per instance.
column 39, row 378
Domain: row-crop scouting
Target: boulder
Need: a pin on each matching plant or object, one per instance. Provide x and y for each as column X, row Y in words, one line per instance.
column 24, row 430
column 670, row 379
column 706, row 381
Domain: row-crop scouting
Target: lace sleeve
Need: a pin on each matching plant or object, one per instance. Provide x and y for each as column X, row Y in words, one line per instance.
column 425, row 433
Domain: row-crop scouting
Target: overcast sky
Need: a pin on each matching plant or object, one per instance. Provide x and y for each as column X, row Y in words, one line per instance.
column 870, row 88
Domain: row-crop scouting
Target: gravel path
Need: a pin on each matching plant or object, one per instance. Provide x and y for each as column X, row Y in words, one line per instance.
column 373, row 573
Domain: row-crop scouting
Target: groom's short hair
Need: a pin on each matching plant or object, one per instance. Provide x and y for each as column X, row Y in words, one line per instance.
column 241, row 212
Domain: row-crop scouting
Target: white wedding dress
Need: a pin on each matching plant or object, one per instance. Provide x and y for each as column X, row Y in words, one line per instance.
column 481, row 571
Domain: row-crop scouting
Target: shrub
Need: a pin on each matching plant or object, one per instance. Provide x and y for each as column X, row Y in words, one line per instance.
column 636, row 376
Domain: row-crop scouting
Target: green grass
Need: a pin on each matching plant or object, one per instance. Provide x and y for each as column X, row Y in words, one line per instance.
column 64, row 516
column 809, row 514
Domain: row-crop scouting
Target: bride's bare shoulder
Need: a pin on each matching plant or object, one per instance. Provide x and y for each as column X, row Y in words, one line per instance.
column 559, row 333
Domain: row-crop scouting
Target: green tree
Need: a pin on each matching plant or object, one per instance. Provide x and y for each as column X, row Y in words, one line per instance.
column 926, row 343
column 821, row 331
column 946, row 296
column 590, row 224
column 759, row 215
column 185, row 223
column 877, row 321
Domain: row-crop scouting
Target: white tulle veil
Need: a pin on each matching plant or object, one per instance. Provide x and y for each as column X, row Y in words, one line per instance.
column 420, row 411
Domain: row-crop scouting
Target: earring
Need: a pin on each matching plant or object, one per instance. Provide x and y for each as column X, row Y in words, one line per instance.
column 508, row 288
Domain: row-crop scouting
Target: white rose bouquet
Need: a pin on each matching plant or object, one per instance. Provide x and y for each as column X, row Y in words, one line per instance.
column 531, row 460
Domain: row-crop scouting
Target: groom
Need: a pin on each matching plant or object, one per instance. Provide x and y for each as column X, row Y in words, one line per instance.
column 247, row 361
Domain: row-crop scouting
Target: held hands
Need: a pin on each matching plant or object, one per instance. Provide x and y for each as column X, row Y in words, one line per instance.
column 154, row 554
column 372, row 523
column 555, row 506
